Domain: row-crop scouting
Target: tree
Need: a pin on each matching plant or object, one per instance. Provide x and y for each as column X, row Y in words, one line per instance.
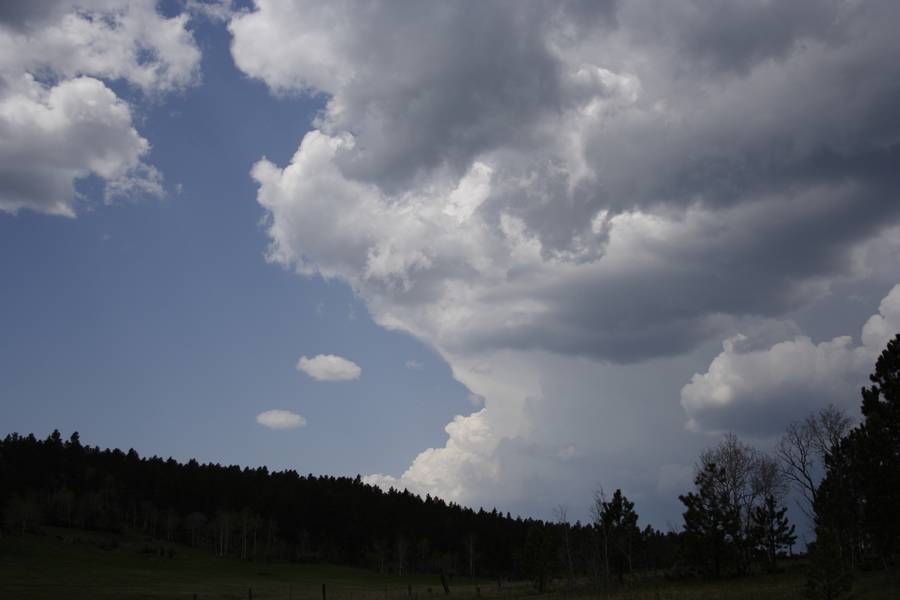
column 401, row 547
column 195, row 522
column 770, row 530
column 22, row 514
column 875, row 450
column 562, row 517
column 712, row 522
column 743, row 477
column 858, row 499
column 618, row 526
column 828, row 576
column 805, row 447
column 538, row 558
column 856, row 503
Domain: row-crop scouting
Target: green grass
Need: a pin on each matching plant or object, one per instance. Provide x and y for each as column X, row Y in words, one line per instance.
column 39, row 567
column 787, row 585
column 33, row 567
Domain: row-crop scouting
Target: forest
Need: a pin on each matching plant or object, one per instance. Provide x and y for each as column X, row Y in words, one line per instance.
column 844, row 477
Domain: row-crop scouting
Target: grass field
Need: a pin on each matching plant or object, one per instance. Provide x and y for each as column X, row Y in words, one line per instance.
column 43, row 567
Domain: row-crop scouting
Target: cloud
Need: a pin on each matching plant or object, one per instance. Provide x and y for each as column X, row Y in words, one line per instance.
column 328, row 367
column 52, row 136
column 59, row 121
column 214, row 10
column 567, row 199
column 622, row 182
column 757, row 391
column 280, row 419
column 413, row 365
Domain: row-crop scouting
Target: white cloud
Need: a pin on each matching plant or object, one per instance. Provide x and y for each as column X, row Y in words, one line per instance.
column 328, row 367
column 413, row 365
column 105, row 39
column 49, row 137
column 280, row 419
column 215, row 10
column 758, row 391
column 59, row 121
column 568, row 191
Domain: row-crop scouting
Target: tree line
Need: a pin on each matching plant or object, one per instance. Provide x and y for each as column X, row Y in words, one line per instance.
column 845, row 479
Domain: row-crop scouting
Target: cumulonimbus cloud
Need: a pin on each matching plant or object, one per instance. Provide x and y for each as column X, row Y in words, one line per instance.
column 328, row 367
column 280, row 419
column 575, row 186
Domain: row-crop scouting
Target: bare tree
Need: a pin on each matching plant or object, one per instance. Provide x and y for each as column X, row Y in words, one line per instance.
column 738, row 462
column 195, row 522
column 171, row 523
column 380, row 547
column 599, row 526
column 804, row 448
column 401, row 547
column 768, row 479
column 222, row 528
column 747, row 477
column 562, row 517
column 834, row 424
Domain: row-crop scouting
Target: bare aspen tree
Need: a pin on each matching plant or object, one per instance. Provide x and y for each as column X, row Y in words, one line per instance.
column 470, row 552
column 746, row 477
column 597, row 517
column 401, row 547
column 562, row 517
column 804, row 448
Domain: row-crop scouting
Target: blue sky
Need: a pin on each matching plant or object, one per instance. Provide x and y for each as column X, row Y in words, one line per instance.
column 605, row 233
column 159, row 325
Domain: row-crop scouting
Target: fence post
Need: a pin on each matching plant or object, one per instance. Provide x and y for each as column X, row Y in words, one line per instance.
column 409, row 590
column 324, row 595
column 249, row 593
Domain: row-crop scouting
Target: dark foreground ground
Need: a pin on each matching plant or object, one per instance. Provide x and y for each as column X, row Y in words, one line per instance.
column 86, row 567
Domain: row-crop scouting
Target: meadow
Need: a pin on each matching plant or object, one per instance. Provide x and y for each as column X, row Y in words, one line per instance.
column 72, row 565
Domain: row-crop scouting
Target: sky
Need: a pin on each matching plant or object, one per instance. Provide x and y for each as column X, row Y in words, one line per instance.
column 505, row 253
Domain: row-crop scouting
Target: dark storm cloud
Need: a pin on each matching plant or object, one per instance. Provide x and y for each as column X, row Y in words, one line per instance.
column 22, row 14
column 743, row 149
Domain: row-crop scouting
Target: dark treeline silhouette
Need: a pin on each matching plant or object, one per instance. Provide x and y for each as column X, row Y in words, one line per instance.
column 256, row 514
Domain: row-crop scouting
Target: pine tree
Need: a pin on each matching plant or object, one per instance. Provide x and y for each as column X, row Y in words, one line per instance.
column 875, row 451
column 770, row 530
column 538, row 555
column 828, row 576
column 618, row 524
column 858, row 498
column 712, row 523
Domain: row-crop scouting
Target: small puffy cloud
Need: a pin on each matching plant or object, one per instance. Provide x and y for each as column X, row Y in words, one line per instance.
column 413, row 365
column 280, row 419
column 328, row 367
column 756, row 391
